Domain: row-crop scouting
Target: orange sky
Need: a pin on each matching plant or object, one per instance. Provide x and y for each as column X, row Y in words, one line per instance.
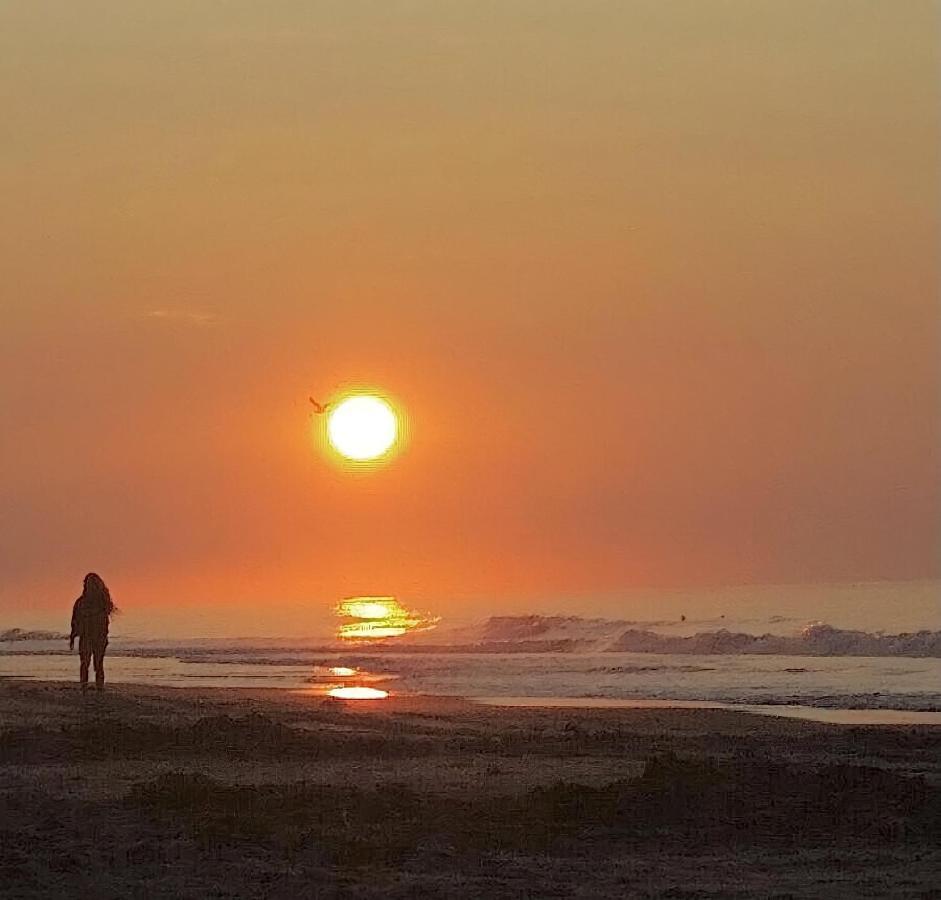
column 657, row 284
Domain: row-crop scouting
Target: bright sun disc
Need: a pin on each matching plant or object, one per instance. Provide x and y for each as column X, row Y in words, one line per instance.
column 362, row 428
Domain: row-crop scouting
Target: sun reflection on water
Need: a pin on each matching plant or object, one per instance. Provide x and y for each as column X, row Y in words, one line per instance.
column 358, row 693
column 375, row 618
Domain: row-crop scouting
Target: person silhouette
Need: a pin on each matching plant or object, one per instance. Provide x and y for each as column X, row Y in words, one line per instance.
column 91, row 614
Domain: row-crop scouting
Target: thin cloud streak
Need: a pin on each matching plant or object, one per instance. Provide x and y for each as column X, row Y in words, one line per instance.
column 185, row 316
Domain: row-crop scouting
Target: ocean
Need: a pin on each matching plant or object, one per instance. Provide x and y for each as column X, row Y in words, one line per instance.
column 782, row 684
column 777, row 660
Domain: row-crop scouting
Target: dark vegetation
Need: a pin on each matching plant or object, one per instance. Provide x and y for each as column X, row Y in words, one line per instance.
column 307, row 833
column 675, row 800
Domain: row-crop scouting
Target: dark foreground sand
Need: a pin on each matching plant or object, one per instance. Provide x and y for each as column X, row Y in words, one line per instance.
column 155, row 792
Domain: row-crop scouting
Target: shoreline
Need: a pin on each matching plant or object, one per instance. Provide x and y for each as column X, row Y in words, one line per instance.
column 825, row 714
column 198, row 699
column 831, row 715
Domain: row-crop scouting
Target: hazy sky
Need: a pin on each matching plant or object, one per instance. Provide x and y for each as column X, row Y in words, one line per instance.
column 657, row 283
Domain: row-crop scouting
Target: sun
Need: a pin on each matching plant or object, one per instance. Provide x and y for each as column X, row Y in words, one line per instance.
column 362, row 428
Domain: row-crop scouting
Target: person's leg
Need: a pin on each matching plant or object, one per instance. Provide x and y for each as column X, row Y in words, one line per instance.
column 84, row 658
column 100, row 665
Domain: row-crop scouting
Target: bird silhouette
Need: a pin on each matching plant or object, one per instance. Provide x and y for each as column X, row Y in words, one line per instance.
column 319, row 408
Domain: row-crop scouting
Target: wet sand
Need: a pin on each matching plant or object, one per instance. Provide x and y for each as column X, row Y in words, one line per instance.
column 807, row 713
column 162, row 792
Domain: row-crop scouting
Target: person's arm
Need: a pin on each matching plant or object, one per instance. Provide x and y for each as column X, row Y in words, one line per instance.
column 73, row 630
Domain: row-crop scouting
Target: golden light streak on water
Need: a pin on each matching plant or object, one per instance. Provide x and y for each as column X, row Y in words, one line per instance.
column 358, row 693
column 342, row 671
column 372, row 608
column 374, row 618
column 369, row 630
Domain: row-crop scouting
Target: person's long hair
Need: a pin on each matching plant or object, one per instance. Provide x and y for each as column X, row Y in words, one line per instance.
column 96, row 596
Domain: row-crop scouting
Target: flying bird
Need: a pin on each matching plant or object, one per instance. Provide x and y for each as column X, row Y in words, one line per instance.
column 319, row 408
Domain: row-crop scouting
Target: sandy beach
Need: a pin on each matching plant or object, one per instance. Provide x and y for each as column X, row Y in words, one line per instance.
column 159, row 792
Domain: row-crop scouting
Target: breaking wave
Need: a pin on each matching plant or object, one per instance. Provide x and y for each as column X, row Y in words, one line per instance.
column 574, row 634
column 536, row 634
column 814, row 640
column 22, row 634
